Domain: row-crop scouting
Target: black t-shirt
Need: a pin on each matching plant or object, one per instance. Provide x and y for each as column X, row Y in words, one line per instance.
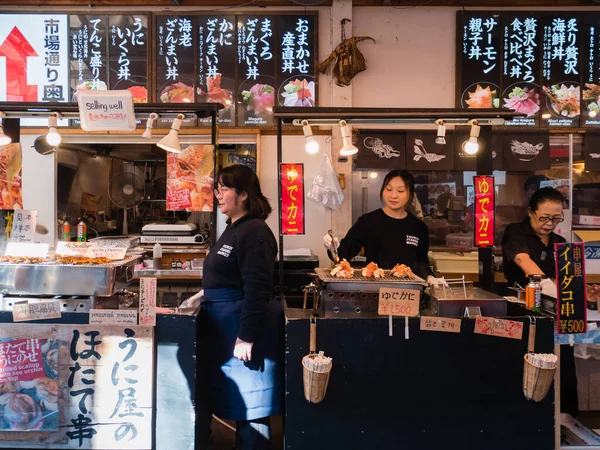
column 520, row 238
column 388, row 241
column 244, row 258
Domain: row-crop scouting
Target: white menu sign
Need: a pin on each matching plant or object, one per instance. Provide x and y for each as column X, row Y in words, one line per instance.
column 106, row 110
column 147, row 301
column 23, row 226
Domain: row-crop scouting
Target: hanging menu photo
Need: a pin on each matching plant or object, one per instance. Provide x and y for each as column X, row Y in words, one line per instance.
column 175, row 57
column 296, row 71
column 89, row 56
column 216, row 65
column 591, row 72
column 561, row 68
column 521, row 68
column 128, row 55
column 256, row 70
column 480, row 68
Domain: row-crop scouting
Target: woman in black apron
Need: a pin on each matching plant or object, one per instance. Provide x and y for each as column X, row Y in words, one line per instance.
column 244, row 325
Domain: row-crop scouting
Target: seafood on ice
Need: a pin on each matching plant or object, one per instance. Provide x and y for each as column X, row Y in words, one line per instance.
column 402, row 271
column 373, row 270
column 342, row 270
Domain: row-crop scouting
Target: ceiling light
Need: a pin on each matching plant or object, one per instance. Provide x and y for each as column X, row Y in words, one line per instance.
column 472, row 146
column 170, row 142
column 441, row 132
column 546, row 115
column 348, row 149
column 149, row 125
column 373, row 175
column 53, row 138
column 310, row 145
column 593, row 114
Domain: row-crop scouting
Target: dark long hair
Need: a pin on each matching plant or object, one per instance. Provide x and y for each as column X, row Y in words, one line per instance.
column 545, row 194
column 408, row 179
column 243, row 179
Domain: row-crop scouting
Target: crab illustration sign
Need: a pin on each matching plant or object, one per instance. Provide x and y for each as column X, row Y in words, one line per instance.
column 484, row 211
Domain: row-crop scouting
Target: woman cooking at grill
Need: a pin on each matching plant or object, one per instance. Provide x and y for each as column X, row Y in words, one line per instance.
column 390, row 235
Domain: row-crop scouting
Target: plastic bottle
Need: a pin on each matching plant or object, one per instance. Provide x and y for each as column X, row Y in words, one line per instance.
column 81, row 231
column 66, row 230
column 157, row 256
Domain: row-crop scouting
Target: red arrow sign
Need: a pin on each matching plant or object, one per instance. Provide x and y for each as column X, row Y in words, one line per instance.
column 16, row 49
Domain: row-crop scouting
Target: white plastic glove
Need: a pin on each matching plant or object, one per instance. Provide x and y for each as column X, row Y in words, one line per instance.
column 327, row 241
column 437, row 281
column 548, row 287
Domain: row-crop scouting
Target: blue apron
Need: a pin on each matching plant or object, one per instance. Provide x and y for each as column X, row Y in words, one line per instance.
column 243, row 390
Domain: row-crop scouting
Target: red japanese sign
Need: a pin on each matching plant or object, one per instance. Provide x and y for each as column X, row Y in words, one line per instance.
column 21, row 360
column 484, row 211
column 292, row 198
column 571, row 301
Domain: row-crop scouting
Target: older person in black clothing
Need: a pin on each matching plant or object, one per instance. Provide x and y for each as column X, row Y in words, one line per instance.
column 243, row 323
column 528, row 246
column 390, row 235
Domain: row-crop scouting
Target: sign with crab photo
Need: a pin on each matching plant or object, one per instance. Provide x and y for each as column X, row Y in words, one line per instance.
column 423, row 153
column 380, row 149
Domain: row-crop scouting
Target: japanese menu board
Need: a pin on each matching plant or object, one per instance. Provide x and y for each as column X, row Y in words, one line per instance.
column 480, row 60
column 521, row 68
column 128, row 55
column 88, row 53
column 571, row 302
column 216, row 65
column 175, row 73
column 591, row 72
column 560, row 71
column 256, row 70
column 296, row 72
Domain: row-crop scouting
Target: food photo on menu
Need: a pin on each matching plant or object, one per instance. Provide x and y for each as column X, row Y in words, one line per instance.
column 11, row 196
column 190, row 179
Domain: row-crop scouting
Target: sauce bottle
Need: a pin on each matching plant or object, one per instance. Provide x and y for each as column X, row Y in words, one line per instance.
column 81, row 231
column 156, row 256
column 66, row 230
column 533, row 293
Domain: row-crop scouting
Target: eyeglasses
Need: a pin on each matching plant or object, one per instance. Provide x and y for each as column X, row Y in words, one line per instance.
column 220, row 191
column 546, row 219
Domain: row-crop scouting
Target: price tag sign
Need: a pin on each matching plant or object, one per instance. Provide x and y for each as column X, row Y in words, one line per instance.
column 499, row 327
column 106, row 110
column 147, row 302
column 23, row 226
column 32, row 250
column 74, row 248
column 113, row 317
column 443, row 324
column 399, row 302
column 23, row 312
column 113, row 253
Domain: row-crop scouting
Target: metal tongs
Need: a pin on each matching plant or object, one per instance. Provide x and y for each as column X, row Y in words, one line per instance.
column 333, row 248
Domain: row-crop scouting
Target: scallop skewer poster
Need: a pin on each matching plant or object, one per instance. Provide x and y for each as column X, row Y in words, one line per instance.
column 190, row 179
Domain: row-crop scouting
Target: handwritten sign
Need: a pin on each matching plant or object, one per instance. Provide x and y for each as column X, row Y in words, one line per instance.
column 32, row 250
column 147, row 301
column 90, row 250
column 74, row 248
column 113, row 317
column 113, row 253
column 440, row 324
column 23, row 226
column 499, row 327
column 106, row 110
column 571, row 302
column 23, row 312
column 399, row 302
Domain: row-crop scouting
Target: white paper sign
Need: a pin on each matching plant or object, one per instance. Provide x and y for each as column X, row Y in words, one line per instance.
column 106, row 110
column 114, row 253
column 74, row 248
column 23, row 312
column 147, row 301
column 33, row 250
column 23, row 226
column 113, row 317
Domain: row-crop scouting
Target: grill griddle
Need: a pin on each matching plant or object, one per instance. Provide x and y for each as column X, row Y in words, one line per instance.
column 368, row 284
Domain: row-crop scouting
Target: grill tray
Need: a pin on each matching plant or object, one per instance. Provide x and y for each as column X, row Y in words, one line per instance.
column 368, row 284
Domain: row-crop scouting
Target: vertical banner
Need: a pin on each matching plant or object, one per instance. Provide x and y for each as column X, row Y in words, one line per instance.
column 484, row 211
column 521, row 69
column 190, row 179
column 216, row 65
column 11, row 194
column 480, row 54
column 591, row 73
column 256, row 70
column 128, row 55
column 175, row 74
column 571, row 300
column 561, row 71
column 147, row 301
column 296, row 73
column 89, row 53
column 292, row 198
column 36, row 50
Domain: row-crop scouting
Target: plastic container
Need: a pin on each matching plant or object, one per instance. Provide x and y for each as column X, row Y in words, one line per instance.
column 157, row 256
column 455, row 263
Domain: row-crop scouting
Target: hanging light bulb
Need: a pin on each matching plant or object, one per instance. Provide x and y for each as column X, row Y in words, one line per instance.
column 472, row 146
column 348, row 149
column 593, row 113
column 150, row 125
column 4, row 139
column 170, row 142
column 441, row 132
column 53, row 138
column 310, row 144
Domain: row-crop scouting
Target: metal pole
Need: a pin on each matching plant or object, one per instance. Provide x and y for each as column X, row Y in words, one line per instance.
column 484, row 167
column 213, row 141
column 279, row 161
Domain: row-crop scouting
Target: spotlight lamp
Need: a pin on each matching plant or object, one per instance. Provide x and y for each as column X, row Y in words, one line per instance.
column 150, row 125
column 441, row 132
column 472, row 146
column 53, row 138
column 170, row 142
column 348, row 149
column 310, row 144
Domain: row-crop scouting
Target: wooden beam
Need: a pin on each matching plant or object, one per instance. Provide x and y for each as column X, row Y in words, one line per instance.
column 286, row 3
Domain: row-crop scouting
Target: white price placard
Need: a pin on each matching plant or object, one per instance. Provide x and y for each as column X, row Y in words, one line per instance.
column 106, row 110
column 31, row 250
column 147, row 301
column 74, row 248
column 23, row 226
column 23, row 312
column 113, row 317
